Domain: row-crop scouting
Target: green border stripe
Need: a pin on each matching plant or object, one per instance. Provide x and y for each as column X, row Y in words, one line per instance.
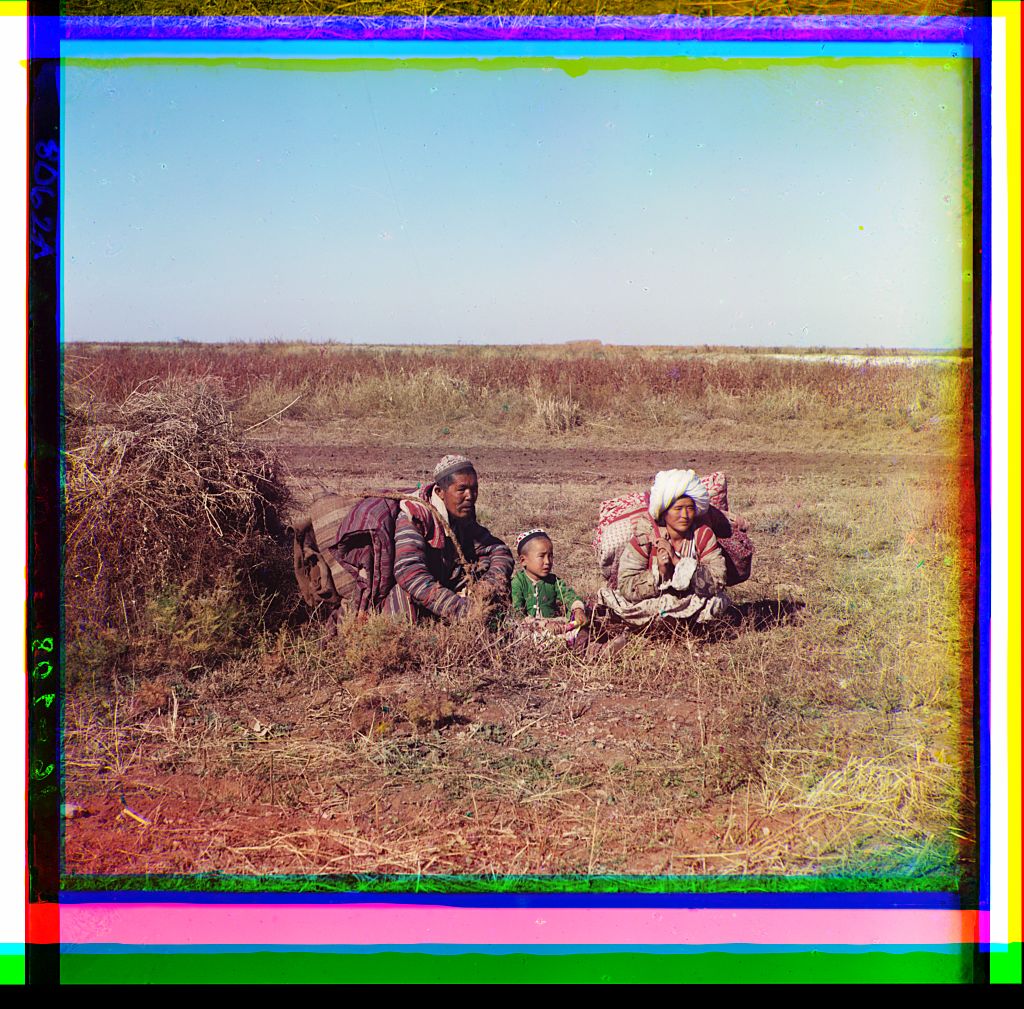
column 519, row 968
column 1005, row 965
column 466, row 884
column 12, row 968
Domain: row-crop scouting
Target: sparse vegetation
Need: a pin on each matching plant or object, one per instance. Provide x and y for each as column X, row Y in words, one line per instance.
column 835, row 743
column 615, row 394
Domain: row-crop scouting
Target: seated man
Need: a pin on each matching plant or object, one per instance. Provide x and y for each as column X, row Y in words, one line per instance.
column 446, row 564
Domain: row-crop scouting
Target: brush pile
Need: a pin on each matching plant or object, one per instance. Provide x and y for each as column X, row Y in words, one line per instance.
column 170, row 525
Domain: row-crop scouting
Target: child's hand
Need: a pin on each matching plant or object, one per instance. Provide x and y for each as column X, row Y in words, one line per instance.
column 579, row 616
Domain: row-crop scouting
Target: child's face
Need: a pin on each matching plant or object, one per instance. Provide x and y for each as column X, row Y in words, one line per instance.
column 537, row 557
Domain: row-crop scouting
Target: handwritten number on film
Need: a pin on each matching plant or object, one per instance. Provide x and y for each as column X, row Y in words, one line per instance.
column 44, row 188
column 41, row 671
column 43, row 197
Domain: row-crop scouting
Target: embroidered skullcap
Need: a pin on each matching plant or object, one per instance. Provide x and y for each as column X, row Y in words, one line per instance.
column 523, row 538
column 672, row 484
column 451, row 464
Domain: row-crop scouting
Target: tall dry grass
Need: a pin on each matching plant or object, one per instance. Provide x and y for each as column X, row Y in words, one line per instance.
column 616, row 393
column 517, row 8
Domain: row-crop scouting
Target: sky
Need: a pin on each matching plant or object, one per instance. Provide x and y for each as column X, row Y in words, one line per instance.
column 804, row 204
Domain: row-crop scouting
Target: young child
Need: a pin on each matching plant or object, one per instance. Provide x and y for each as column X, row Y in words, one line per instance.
column 548, row 607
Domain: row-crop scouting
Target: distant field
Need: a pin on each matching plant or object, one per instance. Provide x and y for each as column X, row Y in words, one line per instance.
column 838, row 743
column 617, row 395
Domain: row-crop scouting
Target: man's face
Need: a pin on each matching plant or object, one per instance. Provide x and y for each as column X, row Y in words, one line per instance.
column 459, row 496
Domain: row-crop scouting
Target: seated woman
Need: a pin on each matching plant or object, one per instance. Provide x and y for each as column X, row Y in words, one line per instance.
column 676, row 571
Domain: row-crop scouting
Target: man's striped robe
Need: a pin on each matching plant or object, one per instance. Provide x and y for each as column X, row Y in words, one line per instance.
column 428, row 574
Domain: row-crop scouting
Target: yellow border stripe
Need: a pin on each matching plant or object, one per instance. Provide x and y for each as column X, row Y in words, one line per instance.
column 1012, row 14
column 1013, row 133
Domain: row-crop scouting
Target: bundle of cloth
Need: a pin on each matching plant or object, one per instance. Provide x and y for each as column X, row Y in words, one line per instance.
column 344, row 552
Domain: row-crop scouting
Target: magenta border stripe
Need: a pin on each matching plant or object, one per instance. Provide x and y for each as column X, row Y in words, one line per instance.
column 382, row 924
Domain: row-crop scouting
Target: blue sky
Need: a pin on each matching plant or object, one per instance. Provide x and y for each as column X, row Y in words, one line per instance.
column 803, row 204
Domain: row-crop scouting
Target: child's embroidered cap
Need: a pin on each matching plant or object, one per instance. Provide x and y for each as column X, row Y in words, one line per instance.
column 523, row 538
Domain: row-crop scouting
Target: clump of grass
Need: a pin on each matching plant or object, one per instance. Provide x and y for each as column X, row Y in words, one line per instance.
column 199, row 627
column 374, row 647
column 869, row 809
column 557, row 414
column 171, row 517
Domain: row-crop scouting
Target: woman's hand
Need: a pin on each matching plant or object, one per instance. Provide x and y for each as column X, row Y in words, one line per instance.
column 664, row 557
column 737, row 522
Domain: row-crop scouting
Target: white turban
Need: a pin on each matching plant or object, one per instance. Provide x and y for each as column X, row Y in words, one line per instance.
column 672, row 484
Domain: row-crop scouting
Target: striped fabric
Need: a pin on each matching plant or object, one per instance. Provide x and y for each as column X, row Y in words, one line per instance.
column 366, row 548
column 355, row 537
column 427, row 569
column 700, row 546
column 399, row 604
column 327, row 513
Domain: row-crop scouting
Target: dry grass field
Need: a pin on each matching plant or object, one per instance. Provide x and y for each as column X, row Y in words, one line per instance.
column 518, row 8
column 211, row 727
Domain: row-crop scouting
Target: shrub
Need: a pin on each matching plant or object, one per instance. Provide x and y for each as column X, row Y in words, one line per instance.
column 171, row 520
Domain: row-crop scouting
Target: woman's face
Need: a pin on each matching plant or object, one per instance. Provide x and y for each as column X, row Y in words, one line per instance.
column 681, row 516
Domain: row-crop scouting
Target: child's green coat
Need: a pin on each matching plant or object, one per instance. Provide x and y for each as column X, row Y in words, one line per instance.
column 541, row 599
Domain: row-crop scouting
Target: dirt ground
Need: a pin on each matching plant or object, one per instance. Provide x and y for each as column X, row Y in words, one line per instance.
column 324, row 467
column 622, row 765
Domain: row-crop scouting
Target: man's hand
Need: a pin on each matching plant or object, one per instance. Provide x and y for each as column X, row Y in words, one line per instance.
column 482, row 602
